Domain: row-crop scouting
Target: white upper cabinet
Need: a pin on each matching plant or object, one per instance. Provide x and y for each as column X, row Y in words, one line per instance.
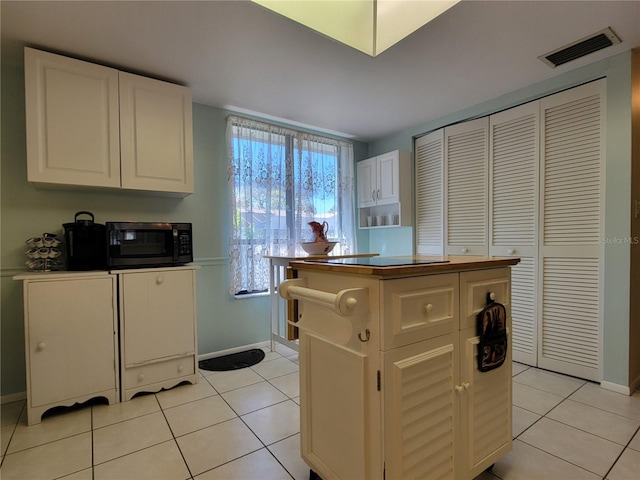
column 388, row 178
column 155, row 135
column 72, row 121
column 367, row 182
column 93, row 126
column 384, row 190
column 466, row 177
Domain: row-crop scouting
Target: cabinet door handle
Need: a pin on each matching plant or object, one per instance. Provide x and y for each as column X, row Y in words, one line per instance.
column 373, row 195
column 141, row 377
column 159, row 279
column 378, row 195
column 180, row 368
column 492, row 296
column 458, row 388
column 464, row 250
column 466, row 385
column 511, row 251
column 42, row 346
column 428, row 307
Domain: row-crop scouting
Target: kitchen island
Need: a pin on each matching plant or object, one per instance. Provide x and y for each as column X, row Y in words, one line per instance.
column 389, row 384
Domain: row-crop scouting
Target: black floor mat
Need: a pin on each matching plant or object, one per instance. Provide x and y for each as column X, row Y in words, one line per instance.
column 233, row 361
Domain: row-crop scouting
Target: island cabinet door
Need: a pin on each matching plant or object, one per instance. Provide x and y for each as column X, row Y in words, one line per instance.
column 485, row 410
column 420, row 408
column 339, row 414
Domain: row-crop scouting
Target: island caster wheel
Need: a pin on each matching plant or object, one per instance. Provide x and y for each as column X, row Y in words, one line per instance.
column 313, row 475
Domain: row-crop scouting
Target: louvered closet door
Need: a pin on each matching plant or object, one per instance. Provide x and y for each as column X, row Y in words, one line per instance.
column 513, row 200
column 572, row 222
column 429, row 193
column 465, row 204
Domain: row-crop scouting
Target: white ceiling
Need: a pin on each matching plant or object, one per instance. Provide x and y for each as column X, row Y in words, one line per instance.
column 236, row 55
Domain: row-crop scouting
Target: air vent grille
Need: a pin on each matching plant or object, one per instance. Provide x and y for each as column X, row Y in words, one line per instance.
column 599, row 40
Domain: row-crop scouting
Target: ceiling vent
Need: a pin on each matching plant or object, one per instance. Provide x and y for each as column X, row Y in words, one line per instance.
column 599, row 40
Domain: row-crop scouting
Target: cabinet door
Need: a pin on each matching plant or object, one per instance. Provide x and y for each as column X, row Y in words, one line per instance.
column 70, row 338
column 485, row 410
column 158, row 315
column 429, row 193
column 335, row 431
column 72, row 121
column 420, row 419
column 367, row 182
column 388, row 178
column 571, row 229
column 513, row 215
column 466, row 184
column 155, row 135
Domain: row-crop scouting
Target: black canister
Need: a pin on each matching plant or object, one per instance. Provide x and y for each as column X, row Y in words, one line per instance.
column 86, row 243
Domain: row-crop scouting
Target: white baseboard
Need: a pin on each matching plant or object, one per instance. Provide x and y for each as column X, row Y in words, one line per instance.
column 228, row 351
column 635, row 386
column 614, row 387
column 13, row 397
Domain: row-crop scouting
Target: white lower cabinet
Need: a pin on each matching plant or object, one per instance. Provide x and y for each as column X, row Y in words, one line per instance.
column 395, row 392
column 158, row 329
column 77, row 350
column 71, row 329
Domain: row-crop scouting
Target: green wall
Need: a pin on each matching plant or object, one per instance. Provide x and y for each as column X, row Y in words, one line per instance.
column 617, row 70
column 223, row 322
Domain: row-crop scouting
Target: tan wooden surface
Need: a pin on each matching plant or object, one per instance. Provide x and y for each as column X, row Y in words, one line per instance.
column 454, row 264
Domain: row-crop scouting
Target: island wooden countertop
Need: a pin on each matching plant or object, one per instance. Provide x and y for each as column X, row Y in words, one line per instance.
column 446, row 264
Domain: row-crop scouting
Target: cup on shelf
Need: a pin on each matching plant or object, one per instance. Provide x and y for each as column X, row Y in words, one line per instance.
column 379, row 220
column 370, row 222
column 391, row 219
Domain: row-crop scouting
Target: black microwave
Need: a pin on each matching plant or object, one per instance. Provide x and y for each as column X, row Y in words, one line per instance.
column 148, row 244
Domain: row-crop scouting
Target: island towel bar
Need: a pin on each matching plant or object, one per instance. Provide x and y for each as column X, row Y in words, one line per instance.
column 347, row 302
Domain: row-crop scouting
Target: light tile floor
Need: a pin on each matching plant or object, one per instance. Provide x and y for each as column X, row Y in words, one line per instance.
column 244, row 425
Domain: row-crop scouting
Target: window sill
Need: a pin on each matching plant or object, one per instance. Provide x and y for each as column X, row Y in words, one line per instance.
column 245, row 296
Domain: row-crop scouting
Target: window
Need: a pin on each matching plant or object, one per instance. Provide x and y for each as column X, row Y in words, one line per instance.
column 279, row 180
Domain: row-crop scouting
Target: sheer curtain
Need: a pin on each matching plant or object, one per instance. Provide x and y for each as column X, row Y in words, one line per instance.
column 279, row 180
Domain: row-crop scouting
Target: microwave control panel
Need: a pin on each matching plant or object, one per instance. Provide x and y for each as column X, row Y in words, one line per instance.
column 184, row 243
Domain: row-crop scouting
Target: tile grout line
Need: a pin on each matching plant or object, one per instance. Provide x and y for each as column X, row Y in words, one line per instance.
column 173, row 435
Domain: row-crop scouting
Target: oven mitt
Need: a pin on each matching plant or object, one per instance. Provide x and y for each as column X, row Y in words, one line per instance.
column 492, row 329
